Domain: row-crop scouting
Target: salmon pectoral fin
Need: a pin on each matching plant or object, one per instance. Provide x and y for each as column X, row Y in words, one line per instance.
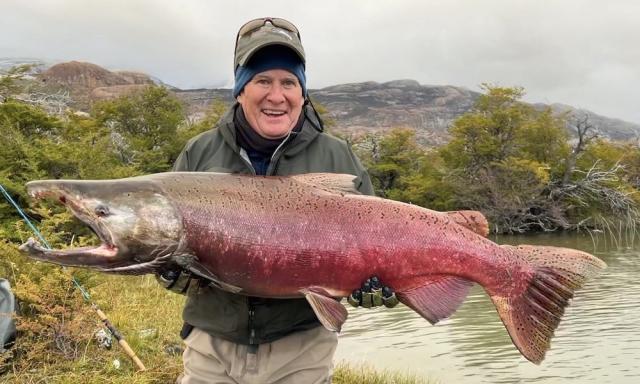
column 472, row 220
column 438, row 298
column 532, row 317
column 330, row 312
column 200, row 270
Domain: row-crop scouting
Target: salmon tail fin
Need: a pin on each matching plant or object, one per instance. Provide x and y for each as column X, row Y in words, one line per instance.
column 532, row 317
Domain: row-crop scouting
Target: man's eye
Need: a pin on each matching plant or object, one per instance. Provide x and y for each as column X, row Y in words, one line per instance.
column 289, row 83
column 262, row 81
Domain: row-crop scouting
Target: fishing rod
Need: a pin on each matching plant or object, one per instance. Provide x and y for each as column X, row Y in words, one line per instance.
column 112, row 329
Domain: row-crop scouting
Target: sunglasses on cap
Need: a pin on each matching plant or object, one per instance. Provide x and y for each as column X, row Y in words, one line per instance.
column 255, row 24
column 259, row 33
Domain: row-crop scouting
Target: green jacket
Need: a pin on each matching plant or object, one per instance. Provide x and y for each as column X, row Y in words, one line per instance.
column 250, row 320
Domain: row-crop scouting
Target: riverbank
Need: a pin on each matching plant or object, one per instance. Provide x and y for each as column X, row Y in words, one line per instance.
column 149, row 318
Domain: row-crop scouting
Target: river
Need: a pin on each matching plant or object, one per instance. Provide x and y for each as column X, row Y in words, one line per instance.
column 597, row 342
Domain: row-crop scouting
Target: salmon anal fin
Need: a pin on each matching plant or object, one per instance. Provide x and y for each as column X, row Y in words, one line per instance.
column 330, row 312
column 438, row 298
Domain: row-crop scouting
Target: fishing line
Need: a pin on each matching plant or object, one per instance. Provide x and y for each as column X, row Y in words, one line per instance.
column 112, row 329
column 8, row 197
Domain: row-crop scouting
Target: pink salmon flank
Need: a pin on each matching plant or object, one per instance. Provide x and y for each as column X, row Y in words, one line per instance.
column 313, row 235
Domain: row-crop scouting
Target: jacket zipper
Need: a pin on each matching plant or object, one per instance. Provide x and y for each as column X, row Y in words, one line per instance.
column 270, row 171
column 275, row 158
column 252, row 313
column 245, row 157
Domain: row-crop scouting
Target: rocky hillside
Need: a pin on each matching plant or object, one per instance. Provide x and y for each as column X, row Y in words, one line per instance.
column 375, row 107
column 355, row 108
column 87, row 82
column 614, row 129
column 371, row 106
column 429, row 109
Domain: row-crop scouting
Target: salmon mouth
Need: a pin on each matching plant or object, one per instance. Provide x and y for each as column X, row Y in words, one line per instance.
column 100, row 256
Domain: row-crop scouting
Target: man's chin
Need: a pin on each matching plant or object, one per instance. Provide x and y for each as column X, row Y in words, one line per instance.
column 274, row 131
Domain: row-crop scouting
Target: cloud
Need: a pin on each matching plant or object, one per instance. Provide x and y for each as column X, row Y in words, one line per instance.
column 578, row 52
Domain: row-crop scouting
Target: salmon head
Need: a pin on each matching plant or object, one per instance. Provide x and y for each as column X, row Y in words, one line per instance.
column 136, row 224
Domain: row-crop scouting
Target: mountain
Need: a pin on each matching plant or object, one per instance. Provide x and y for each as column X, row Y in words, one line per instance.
column 355, row 108
column 378, row 107
column 612, row 128
column 88, row 82
column 7, row 63
column 358, row 108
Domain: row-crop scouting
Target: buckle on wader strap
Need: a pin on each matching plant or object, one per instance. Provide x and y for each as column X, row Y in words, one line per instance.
column 251, row 364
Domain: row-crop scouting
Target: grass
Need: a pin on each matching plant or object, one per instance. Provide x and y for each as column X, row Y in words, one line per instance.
column 346, row 373
column 149, row 318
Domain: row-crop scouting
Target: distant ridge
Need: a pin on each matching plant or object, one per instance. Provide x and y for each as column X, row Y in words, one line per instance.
column 356, row 108
column 78, row 74
column 359, row 108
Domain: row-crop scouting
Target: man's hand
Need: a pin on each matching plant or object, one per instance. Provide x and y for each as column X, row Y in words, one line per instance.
column 373, row 294
column 174, row 279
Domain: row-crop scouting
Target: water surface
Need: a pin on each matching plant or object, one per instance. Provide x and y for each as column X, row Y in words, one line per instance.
column 597, row 342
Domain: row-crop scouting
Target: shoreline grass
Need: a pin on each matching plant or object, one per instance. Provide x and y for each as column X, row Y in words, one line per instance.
column 149, row 317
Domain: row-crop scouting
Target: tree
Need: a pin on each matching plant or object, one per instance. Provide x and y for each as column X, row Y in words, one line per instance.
column 586, row 134
column 427, row 185
column 212, row 115
column 10, row 82
column 145, row 127
column 490, row 132
column 543, row 138
column 394, row 157
column 501, row 157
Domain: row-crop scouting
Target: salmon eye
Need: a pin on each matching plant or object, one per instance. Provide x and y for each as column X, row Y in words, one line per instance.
column 102, row 210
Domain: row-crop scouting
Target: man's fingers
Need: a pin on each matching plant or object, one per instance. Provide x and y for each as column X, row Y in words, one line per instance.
column 367, row 299
column 373, row 294
column 389, row 298
column 355, row 298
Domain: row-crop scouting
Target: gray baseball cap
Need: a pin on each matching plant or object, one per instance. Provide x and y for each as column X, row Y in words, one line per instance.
column 259, row 33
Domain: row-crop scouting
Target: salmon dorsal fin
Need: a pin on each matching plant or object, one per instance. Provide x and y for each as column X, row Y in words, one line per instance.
column 438, row 298
column 330, row 312
column 339, row 183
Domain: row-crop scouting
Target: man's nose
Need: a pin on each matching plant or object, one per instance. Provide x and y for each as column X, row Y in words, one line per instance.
column 276, row 94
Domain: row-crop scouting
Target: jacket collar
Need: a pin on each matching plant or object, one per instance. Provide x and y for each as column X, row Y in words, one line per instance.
column 311, row 128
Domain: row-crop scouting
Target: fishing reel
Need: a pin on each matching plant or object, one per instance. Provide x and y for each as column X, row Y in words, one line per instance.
column 373, row 294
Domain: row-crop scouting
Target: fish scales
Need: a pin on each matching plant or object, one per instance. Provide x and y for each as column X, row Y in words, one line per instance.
column 314, row 236
column 265, row 236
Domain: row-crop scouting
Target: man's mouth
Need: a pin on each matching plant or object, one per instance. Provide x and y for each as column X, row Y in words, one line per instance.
column 273, row 112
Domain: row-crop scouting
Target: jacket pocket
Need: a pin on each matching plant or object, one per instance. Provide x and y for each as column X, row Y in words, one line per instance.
column 214, row 311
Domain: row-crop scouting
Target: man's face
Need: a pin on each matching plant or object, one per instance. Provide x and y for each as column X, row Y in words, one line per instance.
column 272, row 102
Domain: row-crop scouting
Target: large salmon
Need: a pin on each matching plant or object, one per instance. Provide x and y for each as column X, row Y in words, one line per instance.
column 313, row 235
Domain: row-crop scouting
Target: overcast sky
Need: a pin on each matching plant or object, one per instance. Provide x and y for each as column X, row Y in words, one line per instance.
column 585, row 53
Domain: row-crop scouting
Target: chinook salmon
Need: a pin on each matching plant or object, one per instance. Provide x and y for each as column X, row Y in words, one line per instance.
column 314, row 235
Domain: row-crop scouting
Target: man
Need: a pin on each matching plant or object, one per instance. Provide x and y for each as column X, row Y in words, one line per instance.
column 272, row 130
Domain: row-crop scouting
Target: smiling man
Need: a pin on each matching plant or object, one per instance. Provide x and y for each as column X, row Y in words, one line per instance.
column 272, row 130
